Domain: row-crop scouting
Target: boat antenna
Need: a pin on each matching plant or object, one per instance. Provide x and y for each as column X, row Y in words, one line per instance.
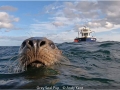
column 84, row 27
column 78, row 33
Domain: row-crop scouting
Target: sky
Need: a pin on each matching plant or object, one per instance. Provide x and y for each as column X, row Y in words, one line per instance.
column 57, row 20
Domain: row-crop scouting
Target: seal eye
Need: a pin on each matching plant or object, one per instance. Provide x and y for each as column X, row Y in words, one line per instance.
column 52, row 45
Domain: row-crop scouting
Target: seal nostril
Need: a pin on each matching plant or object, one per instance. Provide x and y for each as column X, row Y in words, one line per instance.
column 23, row 44
column 42, row 43
column 30, row 43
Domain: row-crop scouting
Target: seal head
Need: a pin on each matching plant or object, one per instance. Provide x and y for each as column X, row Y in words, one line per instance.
column 39, row 51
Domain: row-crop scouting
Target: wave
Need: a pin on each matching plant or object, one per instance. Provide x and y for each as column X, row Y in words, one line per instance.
column 93, row 63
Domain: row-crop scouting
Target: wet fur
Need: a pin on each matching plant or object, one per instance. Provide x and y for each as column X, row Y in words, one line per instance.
column 42, row 56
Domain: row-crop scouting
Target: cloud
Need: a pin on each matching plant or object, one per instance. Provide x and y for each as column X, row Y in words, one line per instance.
column 94, row 14
column 52, row 8
column 94, row 24
column 63, row 36
column 6, row 21
column 111, row 10
column 100, row 24
column 100, row 16
column 57, row 24
column 43, row 26
column 60, row 21
column 81, row 9
column 12, row 38
column 70, row 13
column 7, row 8
column 102, row 29
column 109, row 37
column 109, row 25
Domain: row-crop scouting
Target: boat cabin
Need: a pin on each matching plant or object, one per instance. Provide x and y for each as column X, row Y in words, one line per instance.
column 85, row 35
column 85, row 32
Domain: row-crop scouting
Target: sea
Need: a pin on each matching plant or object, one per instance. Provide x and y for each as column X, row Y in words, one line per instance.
column 92, row 66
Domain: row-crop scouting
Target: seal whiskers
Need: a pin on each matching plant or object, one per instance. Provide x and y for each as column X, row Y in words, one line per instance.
column 14, row 66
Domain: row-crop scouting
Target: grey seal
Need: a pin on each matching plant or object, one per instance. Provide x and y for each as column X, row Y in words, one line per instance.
column 39, row 51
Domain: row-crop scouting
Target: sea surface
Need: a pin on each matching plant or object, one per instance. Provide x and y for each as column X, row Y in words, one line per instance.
column 93, row 65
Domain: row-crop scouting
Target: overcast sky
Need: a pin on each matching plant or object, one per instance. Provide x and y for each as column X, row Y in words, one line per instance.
column 58, row 20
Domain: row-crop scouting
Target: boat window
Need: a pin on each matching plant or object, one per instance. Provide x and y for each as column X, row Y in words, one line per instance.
column 85, row 34
column 82, row 34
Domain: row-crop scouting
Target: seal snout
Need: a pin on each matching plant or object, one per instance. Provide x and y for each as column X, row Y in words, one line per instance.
column 33, row 43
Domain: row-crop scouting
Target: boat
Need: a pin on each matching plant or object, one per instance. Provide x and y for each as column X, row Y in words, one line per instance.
column 85, row 35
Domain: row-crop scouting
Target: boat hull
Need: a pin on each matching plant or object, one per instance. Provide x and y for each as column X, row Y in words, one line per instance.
column 85, row 39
